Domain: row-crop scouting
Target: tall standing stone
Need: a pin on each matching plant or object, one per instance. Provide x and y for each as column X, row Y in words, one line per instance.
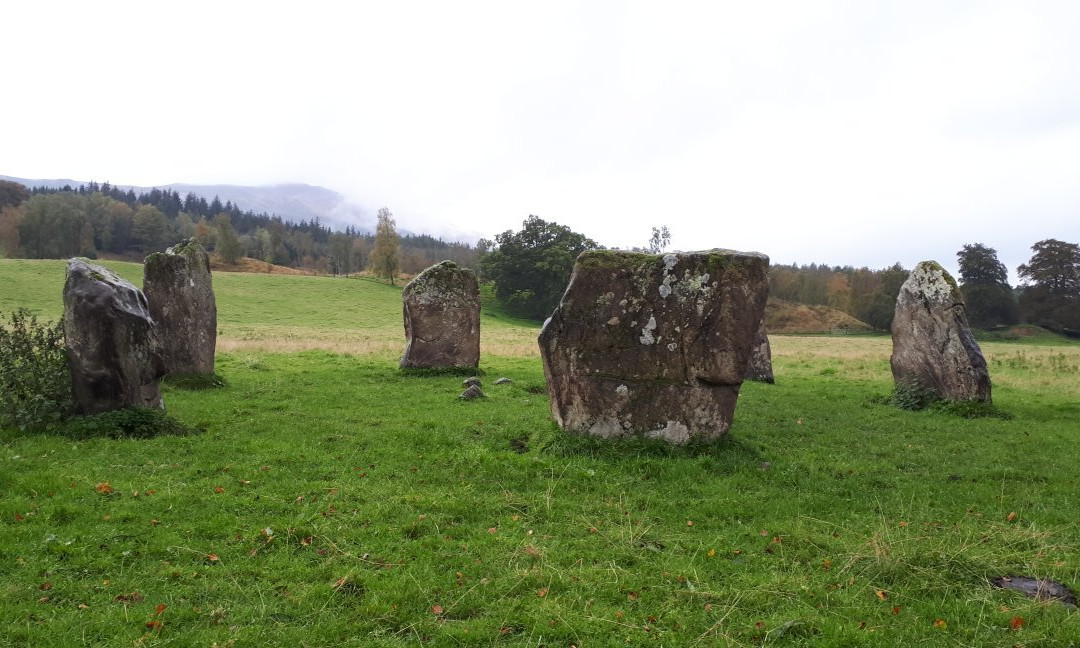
column 760, row 366
column 180, row 295
column 442, row 318
column 654, row 345
column 932, row 343
column 112, row 343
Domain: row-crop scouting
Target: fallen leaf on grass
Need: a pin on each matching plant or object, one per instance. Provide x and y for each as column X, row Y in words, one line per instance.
column 436, row 609
column 940, row 623
column 492, row 530
column 212, row 557
column 764, row 533
column 896, row 609
column 104, row 488
column 881, row 594
column 1016, row 623
column 219, row 489
column 712, row 552
column 826, row 564
column 1011, row 516
column 543, row 592
column 154, row 625
column 19, row 517
column 689, row 523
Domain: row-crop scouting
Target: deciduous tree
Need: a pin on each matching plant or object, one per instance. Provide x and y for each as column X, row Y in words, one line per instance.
column 984, row 283
column 1051, row 297
column 530, row 268
column 384, row 258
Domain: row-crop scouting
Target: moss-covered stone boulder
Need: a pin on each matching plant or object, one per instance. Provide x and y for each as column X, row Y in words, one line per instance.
column 180, row 295
column 112, row 343
column 932, row 342
column 442, row 318
column 653, row 345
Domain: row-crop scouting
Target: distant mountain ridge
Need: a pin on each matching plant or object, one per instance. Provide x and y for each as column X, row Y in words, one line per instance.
column 292, row 202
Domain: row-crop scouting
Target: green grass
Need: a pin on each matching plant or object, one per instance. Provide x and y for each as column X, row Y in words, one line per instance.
column 333, row 500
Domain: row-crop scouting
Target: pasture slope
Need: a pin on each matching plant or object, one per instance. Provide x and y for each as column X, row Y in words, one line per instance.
column 329, row 499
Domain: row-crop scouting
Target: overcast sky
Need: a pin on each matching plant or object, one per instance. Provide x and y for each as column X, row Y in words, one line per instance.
column 854, row 133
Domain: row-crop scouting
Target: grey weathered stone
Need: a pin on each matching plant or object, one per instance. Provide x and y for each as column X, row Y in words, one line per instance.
column 112, row 342
column 472, row 380
column 653, row 345
column 180, row 295
column 932, row 343
column 472, row 392
column 760, row 366
column 503, row 381
column 442, row 318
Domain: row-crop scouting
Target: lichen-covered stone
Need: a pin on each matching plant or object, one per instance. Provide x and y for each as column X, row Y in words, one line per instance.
column 442, row 318
column 180, row 294
column 932, row 342
column 113, row 349
column 653, row 345
column 760, row 366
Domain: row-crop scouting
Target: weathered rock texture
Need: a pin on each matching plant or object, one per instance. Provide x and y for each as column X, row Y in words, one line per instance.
column 112, row 343
column 180, row 295
column 653, row 345
column 932, row 343
column 442, row 318
column 760, row 366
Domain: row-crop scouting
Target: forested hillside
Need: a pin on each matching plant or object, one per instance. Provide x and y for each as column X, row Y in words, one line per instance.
column 92, row 220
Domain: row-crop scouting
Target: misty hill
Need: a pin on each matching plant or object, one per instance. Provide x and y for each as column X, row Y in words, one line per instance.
column 292, row 202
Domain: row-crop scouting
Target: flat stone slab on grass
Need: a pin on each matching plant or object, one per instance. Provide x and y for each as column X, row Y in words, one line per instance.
column 653, row 345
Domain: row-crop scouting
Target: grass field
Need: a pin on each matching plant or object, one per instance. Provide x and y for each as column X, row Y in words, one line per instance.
column 332, row 500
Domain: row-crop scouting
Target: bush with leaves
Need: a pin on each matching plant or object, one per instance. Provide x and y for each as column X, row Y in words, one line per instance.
column 35, row 382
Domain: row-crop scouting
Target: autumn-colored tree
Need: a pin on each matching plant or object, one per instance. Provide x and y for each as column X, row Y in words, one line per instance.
column 384, row 258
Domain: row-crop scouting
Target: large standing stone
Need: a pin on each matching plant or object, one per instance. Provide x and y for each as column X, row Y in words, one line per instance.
column 653, row 345
column 932, row 343
column 112, row 343
column 180, row 295
column 760, row 366
column 442, row 318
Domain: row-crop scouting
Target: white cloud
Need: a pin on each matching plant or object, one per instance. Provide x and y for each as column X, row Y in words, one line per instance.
column 844, row 132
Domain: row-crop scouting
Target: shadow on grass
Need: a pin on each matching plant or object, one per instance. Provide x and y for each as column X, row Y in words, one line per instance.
column 728, row 451
column 194, row 382
column 413, row 372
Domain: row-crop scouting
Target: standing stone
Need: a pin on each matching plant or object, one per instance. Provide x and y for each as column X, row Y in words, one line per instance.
column 180, row 295
column 112, row 343
column 653, row 345
column 760, row 366
column 442, row 318
column 932, row 343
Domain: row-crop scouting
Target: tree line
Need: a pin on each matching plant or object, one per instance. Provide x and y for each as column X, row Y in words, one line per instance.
column 92, row 219
column 1049, row 295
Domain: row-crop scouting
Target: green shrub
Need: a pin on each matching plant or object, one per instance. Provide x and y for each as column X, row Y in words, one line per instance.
column 912, row 395
column 35, row 382
column 127, row 423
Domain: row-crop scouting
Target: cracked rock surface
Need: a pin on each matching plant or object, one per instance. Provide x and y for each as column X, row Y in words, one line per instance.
column 654, row 345
column 932, row 342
